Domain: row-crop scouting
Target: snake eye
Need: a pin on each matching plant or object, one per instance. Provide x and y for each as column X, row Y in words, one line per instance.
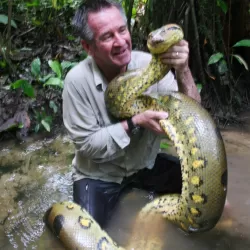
column 174, row 28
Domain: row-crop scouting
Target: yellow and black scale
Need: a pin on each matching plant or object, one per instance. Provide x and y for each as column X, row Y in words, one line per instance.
column 198, row 143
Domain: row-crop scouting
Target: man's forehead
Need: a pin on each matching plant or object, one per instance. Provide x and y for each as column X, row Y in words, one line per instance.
column 105, row 19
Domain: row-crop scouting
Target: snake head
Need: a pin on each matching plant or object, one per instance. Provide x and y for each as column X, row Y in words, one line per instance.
column 162, row 39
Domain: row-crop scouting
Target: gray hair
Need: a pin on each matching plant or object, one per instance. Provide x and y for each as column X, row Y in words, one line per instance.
column 80, row 20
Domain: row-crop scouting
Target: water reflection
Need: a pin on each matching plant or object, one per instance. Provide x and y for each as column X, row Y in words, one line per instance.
column 37, row 183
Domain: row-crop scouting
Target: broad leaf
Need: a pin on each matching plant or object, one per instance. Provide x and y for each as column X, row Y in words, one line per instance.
column 243, row 43
column 222, row 68
column 199, row 87
column 36, row 67
column 67, row 65
column 20, row 125
column 46, row 125
column 53, row 106
column 215, row 58
column 241, row 61
column 45, row 78
column 4, row 20
column 164, row 145
column 54, row 81
column 56, row 67
column 26, row 86
column 18, row 84
column 223, row 5
column 28, row 90
column 58, row 4
column 37, row 127
column 33, row 3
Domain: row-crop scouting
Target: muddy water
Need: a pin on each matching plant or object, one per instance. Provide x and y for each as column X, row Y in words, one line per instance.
column 36, row 174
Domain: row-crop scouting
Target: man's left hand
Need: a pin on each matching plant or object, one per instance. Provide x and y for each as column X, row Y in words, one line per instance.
column 177, row 56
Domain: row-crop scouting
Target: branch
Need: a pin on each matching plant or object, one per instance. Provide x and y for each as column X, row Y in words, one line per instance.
column 197, row 41
column 129, row 14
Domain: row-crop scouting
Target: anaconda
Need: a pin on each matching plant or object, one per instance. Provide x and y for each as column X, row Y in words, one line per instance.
column 198, row 143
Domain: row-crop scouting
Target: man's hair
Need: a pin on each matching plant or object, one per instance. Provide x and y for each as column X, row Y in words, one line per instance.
column 80, row 20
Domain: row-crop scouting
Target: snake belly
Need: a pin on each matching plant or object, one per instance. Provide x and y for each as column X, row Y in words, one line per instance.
column 198, row 144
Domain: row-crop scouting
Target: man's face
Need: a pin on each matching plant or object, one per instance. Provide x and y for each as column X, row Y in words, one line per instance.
column 112, row 41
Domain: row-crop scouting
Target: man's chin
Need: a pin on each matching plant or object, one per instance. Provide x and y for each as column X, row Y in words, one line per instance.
column 123, row 60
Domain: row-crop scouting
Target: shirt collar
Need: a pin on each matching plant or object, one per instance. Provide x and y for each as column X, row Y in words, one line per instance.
column 99, row 78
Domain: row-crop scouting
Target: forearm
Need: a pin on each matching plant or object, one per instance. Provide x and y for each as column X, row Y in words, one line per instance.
column 186, row 84
column 93, row 138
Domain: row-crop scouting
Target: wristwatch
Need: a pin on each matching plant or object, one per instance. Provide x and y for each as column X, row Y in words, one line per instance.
column 133, row 128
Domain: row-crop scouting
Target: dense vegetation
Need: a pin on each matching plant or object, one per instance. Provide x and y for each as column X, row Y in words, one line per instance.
column 38, row 47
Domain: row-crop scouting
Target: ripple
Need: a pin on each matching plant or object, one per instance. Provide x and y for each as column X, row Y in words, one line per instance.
column 25, row 225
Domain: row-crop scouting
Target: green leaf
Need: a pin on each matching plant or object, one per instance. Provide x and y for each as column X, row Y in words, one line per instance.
column 164, row 145
column 36, row 22
column 48, row 119
column 54, row 81
column 70, row 38
column 134, row 12
column 46, row 125
column 45, row 78
column 28, row 90
column 83, row 55
column 222, row 68
column 37, row 127
column 20, row 125
column 53, row 106
column 223, row 5
column 25, row 85
column 34, row 3
column 18, row 84
column 67, row 65
column 3, row 64
column 56, row 67
column 58, row 4
column 4, row 20
column 199, row 87
column 241, row 61
column 215, row 58
column 36, row 67
column 243, row 43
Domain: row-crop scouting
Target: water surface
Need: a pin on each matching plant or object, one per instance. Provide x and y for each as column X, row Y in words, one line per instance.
column 37, row 173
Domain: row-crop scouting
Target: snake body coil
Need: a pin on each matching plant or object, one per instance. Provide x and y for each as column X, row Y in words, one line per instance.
column 198, row 143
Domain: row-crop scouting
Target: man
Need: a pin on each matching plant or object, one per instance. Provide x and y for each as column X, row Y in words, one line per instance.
column 110, row 156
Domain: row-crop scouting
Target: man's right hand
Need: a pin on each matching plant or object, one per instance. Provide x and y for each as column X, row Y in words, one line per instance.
column 150, row 120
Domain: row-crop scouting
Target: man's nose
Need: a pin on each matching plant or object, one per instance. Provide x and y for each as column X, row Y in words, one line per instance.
column 119, row 40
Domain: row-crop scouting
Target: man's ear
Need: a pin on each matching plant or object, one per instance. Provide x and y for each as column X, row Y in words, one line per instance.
column 86, row 47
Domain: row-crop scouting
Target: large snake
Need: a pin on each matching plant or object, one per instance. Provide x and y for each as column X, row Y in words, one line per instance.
column 199, row 146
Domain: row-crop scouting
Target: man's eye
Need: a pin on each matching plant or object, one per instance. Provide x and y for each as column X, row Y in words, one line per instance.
column 123, row 30
column 106, row 37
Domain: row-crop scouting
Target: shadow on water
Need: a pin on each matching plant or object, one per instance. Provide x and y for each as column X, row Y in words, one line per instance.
column 40, row 175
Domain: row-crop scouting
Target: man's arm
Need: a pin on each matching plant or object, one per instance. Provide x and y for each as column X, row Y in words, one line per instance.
column 177, row 56
column 97, row 142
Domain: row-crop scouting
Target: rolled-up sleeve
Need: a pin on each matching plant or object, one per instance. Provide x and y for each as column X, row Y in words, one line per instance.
column 92, row 140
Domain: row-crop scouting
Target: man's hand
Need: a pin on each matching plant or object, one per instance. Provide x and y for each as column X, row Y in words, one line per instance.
column 177, row 56
column 150, row 120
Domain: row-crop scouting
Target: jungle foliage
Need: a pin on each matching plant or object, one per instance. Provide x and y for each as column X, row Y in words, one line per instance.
column 38, row 47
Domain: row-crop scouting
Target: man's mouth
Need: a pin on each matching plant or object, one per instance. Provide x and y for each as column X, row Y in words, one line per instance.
column 120, row 52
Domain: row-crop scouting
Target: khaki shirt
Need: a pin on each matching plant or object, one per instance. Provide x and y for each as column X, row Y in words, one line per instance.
column 103, row 149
